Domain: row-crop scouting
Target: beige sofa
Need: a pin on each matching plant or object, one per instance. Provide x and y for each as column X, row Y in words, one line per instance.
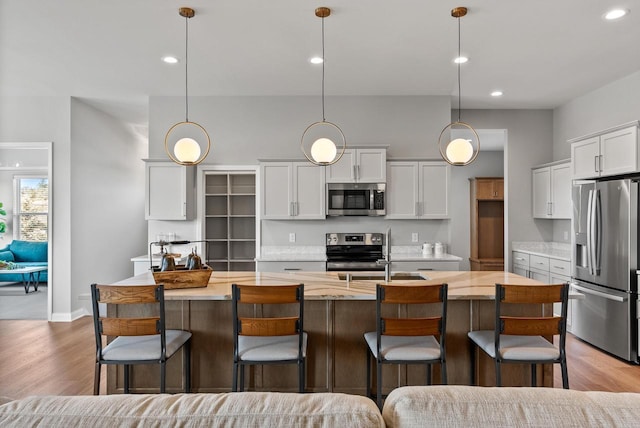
column 418, row 406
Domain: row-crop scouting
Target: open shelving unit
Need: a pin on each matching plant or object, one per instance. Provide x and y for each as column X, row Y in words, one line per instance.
column 230, row 220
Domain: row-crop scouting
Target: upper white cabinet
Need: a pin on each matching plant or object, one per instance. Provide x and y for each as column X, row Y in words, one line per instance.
column 170, row 191
column 292, row 191
column 552, row 191
column 611, row 152
column 417, row 190
column 361, row 165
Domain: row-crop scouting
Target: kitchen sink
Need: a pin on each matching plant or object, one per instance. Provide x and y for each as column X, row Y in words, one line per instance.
column 400, row 276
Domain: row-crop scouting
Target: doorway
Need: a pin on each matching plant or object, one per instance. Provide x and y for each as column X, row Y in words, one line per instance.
column 25, row 192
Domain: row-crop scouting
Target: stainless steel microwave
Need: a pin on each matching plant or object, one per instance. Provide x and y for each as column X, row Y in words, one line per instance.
column 365, row 199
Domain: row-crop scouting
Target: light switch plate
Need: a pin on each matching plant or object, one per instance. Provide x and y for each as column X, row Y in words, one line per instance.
column 292, row 237
column 414, row 237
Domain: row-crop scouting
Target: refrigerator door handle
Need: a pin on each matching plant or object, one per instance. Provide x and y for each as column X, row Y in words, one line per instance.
column 590, row 232
column 597, row 236
column 598, row 293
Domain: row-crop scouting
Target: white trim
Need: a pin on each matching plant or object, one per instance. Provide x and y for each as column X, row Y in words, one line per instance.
column 69, row 316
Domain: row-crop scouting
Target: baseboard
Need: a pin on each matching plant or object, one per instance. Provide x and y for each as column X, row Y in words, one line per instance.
column 68, row 317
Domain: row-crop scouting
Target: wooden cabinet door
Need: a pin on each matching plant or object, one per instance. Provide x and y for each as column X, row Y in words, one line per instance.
column 489, row 188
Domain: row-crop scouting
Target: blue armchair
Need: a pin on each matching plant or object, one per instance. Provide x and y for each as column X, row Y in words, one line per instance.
column 25, row 254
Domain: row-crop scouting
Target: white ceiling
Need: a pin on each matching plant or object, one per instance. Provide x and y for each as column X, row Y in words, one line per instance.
column 541, row 53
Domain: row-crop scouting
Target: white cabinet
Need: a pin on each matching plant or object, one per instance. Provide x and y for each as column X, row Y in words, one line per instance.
column 552, row 191
column 608, row 153
column 361, row 165
column 292, row 191
column 170, row 191
column 449, row 265
column 291, row 266
column 417, row 190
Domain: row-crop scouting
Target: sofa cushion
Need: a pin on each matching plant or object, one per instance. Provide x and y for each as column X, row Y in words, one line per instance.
column 27, row 251
column 7, row 256
column 469, row 406
column 241, row 409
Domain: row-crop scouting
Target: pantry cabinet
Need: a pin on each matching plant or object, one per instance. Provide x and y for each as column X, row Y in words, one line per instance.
column 487, row 223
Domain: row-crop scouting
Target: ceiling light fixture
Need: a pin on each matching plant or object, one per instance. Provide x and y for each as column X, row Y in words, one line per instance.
column 461, row 60
column 316, row 60
column 496, row 93
column 318, row 142
column 170, row 59
column 181, row 141
column 614, row 14
column 462, row 150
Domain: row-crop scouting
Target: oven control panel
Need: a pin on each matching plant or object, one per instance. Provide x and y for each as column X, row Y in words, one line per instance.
column 355, row 238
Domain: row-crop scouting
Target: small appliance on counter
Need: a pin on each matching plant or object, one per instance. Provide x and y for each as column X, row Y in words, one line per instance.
column 192, row 274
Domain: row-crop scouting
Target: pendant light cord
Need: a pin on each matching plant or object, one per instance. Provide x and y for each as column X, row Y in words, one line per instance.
column 323, row 118
column 459, row 90
column 186, row 69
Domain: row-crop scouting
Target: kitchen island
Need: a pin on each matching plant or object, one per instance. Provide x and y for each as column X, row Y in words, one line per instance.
column 337, row 313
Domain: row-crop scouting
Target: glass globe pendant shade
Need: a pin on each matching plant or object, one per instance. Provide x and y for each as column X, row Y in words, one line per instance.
column 323, row 143
column 187, row 143
column 323, row 150
column 187, row 150
column 461, row 150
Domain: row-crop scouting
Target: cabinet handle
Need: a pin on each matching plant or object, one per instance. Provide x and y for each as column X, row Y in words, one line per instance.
column 353, row 172
column 291, row 269
column 595, row 163
column 519, row 258
column 600, row 162
column 296, row 206
column 357, row 172
column 549, row 208
column 184, row 209
column 291, row 209
column 559, row 267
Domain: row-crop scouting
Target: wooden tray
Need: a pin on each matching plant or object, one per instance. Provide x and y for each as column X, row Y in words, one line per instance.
column 183, row 278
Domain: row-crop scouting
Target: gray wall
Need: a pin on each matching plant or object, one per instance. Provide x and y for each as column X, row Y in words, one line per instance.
column 76, row 149
column 107, row 188
column 613, row 104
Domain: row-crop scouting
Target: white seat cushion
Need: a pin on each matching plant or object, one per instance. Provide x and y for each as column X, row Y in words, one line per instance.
column 128, row 348
column 404, row 348
column 270, row 348
column 520, row 348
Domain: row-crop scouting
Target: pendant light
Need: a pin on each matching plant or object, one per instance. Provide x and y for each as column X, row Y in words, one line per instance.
column 318, row 142
column 181, row 141
column 459, row 151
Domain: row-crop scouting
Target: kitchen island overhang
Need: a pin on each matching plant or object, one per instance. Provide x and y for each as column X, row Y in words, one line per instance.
column 337, row 314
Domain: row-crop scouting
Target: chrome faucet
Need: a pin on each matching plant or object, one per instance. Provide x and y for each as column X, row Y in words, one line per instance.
column 387, row 257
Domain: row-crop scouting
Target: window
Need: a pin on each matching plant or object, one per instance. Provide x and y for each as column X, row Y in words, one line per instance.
column 31, row 211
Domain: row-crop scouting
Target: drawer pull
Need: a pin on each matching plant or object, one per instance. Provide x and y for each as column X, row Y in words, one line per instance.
column 559, row 267
column 519, row 258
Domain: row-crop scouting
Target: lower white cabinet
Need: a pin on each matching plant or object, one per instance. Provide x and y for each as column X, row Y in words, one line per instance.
column 544, row 269
column 424, row 266
column 291, row 266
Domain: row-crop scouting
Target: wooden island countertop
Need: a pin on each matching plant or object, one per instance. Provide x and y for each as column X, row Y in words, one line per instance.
column 463, row 285
column 337, row 315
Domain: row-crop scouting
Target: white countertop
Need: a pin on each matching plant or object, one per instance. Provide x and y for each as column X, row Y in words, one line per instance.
column 554, row 250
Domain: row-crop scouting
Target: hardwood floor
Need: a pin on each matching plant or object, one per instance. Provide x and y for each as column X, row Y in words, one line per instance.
column 42, row 358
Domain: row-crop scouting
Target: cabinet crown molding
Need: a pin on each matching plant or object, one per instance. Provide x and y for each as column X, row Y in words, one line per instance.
column 604, row 131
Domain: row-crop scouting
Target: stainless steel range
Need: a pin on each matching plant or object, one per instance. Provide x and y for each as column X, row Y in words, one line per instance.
column 354, row 251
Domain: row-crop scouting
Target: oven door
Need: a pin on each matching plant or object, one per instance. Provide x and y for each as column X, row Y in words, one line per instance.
column 353, row 266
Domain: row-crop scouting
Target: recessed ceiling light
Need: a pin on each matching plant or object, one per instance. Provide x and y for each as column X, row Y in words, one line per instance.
column 170, row 59
column 615, row 14
column 316, row 60
column 496, row 93
column 461, row 60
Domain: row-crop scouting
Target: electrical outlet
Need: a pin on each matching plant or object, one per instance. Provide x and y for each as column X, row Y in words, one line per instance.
column 414, row 237
column 292, row 237
column 565, row 235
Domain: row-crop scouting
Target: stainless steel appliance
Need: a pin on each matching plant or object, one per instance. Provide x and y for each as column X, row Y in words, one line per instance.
column 354, row 251
column 364, row 199
column 605, row 258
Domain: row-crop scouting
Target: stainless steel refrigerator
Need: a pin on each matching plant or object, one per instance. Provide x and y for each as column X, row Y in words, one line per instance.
column 605, row 258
